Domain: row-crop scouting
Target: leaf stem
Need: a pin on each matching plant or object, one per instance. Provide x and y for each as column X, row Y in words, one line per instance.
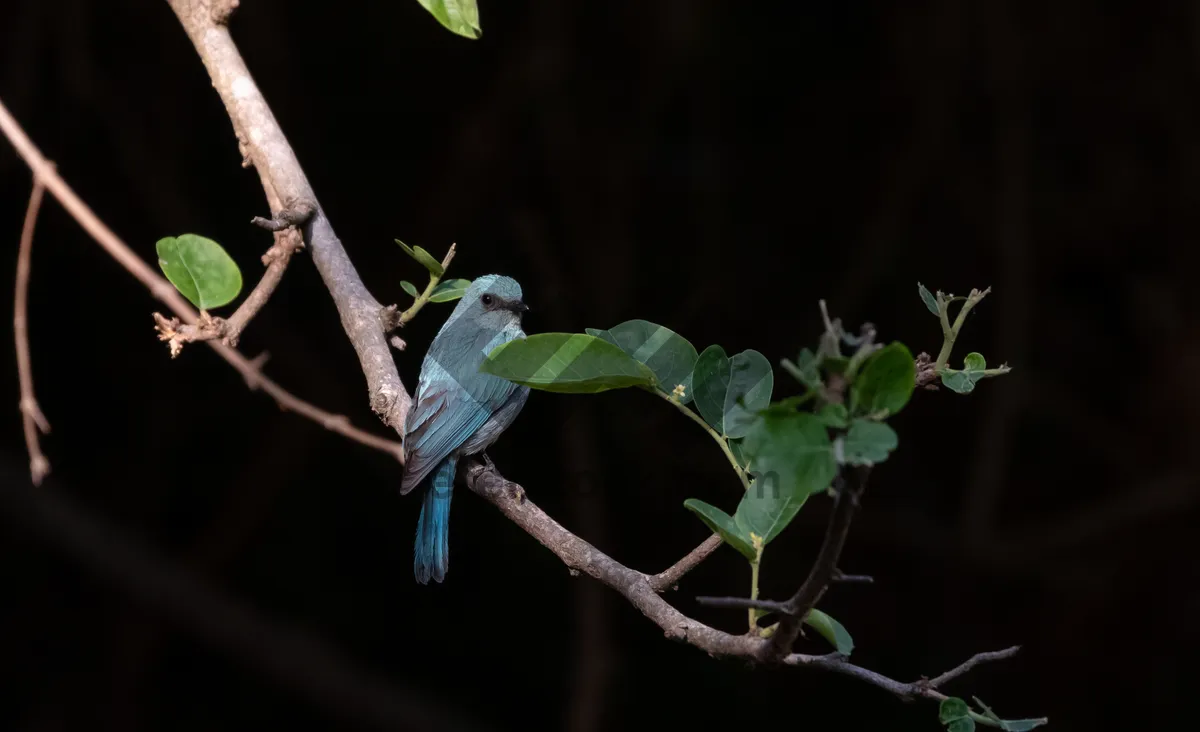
column 423, row 298
column 758, row 552
column 721, row 440
column 950, row 332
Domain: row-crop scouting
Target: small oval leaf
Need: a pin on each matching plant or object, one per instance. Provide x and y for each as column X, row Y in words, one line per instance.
column 566, row 363
column 200, row 269
column 448, row 290
column 723, row 524
column 831, row 630
column 751, row 382
column 951, row 709
column 408, row 287
column 431, row 264
column 964, row 381
column 459, row 16
column 928, row 298
column 766, row 509
column 710, row 381
column 886, row 381
column 868, row 442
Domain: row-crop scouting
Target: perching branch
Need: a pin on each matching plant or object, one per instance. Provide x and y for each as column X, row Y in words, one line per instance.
column 44, row 172
column 667, row 578
column 264, row 145
column 31, row 413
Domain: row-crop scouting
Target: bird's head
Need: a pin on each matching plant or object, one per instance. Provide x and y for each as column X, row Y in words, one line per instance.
column 494, row 302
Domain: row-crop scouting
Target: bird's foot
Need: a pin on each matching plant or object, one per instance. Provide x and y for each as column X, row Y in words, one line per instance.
column 516, row 492
column 487, row 462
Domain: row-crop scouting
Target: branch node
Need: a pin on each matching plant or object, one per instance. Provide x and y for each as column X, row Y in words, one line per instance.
column 221, row 10
column 294, row 216
column 397, row 343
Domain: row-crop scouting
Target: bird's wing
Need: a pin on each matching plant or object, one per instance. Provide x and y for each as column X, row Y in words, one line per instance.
column 444, row 416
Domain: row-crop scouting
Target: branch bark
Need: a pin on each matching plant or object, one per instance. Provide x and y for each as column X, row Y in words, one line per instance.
column 31, row 414
column 262, row 143
column 165, row 292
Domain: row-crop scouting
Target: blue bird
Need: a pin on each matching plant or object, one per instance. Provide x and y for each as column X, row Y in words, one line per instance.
column 457, row 410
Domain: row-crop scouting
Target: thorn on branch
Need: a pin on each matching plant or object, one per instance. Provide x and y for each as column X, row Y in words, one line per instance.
column 297, row 215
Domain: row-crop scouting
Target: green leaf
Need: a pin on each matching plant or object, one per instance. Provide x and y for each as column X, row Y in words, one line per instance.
column 953, row 708
column 460, row 16
column 408, row 287
column 200, row 269
column 425, row 258
column 766, row 510
column 710, row 381
column 928, row 298
column 669, row 355
column 448, row 290
column 792, row 449
column 1010, row 725
column 831, row 630
column 868, row 443
column 833, row 415
column 723, row 524
column 885, row 382
column 964, row 381
column 751, row 382
column 807, row 369
column 566, row 363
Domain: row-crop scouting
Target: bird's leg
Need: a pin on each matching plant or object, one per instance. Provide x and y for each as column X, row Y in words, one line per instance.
column 487, row 461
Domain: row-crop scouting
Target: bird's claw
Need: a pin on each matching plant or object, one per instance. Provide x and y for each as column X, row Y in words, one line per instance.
column 516, row 492
column 487, row 462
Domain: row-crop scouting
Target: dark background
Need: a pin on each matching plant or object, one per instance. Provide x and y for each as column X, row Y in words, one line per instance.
column 198, row 560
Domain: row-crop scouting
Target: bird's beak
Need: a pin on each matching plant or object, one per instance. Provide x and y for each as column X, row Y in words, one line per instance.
column 519, row 307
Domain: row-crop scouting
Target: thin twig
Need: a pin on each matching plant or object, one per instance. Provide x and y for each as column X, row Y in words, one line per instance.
column 31, row 413
column 969, row 664
column 667, row 578
column 394, row 321
column 164, row 291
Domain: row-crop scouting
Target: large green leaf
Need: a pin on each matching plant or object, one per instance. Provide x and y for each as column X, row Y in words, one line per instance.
column 766, row 509
column 831, row 630
column 723, row 524
column 792, row 449
column 730, row 391
column 566, row 363
column 669, row 355
column 460, row 16
column 964, row 381
column 448, row 290
column 751, row 382
column 200, row 269
column 867, row 442
column 885, row 382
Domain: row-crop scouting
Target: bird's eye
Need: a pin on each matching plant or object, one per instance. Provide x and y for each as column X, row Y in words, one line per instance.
column 487, row 300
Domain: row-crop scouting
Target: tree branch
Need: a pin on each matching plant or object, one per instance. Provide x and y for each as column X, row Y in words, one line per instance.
column 44, row 172
column 31, row 413
column 640, row 590
column 824, row 571
column 264, row 145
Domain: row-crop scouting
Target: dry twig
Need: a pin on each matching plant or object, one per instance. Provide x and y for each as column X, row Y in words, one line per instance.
column 31, row 413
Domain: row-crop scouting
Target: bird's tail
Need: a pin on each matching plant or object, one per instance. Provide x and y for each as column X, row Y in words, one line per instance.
column 431, row 555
